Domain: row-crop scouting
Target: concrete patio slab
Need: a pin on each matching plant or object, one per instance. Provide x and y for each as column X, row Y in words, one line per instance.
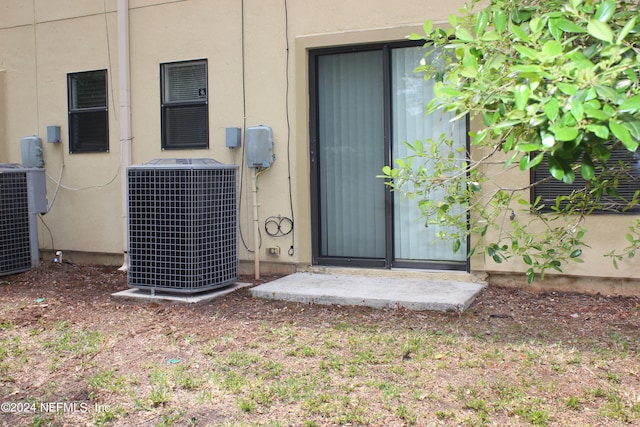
column 413, row 292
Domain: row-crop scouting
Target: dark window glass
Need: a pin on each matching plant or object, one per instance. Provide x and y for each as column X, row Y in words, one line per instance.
column 88, row 112
column 185, row 114
column 622, row 163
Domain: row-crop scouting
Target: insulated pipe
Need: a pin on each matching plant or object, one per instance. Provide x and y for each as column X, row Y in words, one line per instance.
column 124, row 74
column 256, row 227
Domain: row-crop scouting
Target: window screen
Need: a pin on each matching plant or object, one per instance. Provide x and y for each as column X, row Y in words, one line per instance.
column 185, row 116
column 621, row 162
column 88, row 112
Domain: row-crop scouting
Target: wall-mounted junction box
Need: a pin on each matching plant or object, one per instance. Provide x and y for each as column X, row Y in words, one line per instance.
column 232, row 137
column 259, row 146
column 53, row 134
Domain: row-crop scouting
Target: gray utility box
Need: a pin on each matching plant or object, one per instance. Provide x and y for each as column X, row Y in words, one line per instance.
column 31, row 150
column 23, row 195
column 183, row 223
column 259, row 146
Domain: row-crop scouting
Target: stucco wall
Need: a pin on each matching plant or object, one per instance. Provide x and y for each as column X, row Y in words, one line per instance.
column 258, row 74
column 3, row 122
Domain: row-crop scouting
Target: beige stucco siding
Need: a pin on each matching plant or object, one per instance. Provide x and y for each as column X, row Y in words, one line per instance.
column 257, row 58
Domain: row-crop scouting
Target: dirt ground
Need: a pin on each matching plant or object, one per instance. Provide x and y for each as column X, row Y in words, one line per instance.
column 81, row 297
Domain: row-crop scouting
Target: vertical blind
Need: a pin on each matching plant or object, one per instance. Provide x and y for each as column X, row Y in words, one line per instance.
column 413, row 240
column 351, row 154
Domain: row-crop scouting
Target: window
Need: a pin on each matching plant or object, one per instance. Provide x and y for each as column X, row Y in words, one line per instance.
column 88, row 112
column 621, row 162
column 185, row 114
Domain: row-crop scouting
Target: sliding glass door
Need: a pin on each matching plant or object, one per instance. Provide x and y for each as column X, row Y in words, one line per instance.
column 365, row 104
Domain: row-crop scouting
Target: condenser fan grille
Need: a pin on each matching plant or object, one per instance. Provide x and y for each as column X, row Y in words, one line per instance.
column 15, row 238
column 182, row 225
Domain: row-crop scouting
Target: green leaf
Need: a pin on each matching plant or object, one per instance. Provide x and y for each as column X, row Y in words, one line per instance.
column 554, row 30
column 530, row 275
column 626, row 30
column 415, row 36
column 463, row 34
column 565, row 133
column 556, row 170
column 596, row 113
column 610, row 94
column 600, row 30
column 469, row 71
column 634, row 128
column 499, row 20
column 490, row 36
column 519, row 32
column 521, row 95
column 526, row 162
column 526, row 51
column 601, row 152
column 600, row 131
column 551, row 109
column 529, row 69
column 527, row 260
column 631, row 104
column 569, row 177
column 568, row 27
column 621, row 132
column 552, row 48
column 576, row 253
column 535, row 161
column 567, row 88
column 528, row 147
column 453, row 20
column 577, row 109
column 427, row 27
column 587, row 169
column 482, row 19
column 535, row 24
column 605, row 11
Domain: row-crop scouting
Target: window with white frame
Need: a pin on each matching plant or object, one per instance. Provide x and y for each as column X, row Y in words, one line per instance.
column 184, row 105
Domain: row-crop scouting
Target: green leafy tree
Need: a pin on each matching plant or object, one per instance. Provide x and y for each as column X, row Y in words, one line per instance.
column 554, row 84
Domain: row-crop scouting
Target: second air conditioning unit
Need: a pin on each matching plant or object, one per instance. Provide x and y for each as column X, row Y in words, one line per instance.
column 183, row 221
column 22, row 197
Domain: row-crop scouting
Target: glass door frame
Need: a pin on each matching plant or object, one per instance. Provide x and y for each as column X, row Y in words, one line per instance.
column 388, row 261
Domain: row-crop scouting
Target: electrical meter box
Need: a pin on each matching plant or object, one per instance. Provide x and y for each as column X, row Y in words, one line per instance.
column 259, row 146
column 31, row 148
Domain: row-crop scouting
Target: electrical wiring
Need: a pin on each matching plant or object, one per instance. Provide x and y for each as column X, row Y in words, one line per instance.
column 288, row 221
column 287, row 111
column 53, row 246
column 278, row 226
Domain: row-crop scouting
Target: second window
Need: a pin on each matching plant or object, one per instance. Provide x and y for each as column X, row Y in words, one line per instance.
column 184, row 98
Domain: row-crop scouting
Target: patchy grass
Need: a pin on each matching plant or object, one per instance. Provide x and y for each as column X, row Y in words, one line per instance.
column 333, row 376
column 277, row 364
